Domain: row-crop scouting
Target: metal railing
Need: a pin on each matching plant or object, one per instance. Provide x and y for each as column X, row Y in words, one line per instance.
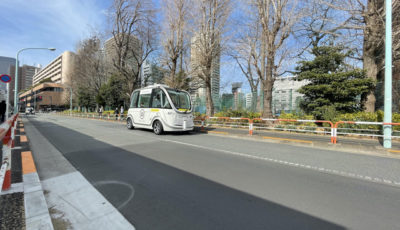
column 323, row 127
column 7, row 135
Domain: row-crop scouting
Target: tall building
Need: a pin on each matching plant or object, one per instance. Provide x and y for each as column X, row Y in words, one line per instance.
column 227, row 101
column 60, row 70
column 133, row 49
column 25, row 76
column 196, row 66
column 249, row 97
column 285, row 95
column 239, row 100
column 151, row 74
column 5, row 63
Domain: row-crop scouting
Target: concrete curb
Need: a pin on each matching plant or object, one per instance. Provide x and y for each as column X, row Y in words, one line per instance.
column 37, row 214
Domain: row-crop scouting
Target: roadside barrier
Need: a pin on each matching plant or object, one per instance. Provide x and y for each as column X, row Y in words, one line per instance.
column 298, row 121
column 7, row 135
column 291, row 125
column 336, row 128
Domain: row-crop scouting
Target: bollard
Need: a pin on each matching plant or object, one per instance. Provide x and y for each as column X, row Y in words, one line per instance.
column 333, row 135
column 251, row 127
column 202, row 125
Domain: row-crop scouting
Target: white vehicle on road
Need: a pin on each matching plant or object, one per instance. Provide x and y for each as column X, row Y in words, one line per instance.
column 160, row 108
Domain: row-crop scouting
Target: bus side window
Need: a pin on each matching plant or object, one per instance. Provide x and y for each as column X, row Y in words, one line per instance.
column 144, row 100
column 134, row 99
column 164, row 101
column 156, row 99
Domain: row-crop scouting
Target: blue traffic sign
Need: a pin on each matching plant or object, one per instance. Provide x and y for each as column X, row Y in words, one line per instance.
column 5, row 78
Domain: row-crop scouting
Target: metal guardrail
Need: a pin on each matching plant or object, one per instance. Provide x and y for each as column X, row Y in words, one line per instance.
column 255, row 124
column 7, row 135
column 335, row 128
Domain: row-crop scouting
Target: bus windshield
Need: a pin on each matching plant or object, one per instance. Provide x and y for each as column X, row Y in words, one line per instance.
column 180, row 99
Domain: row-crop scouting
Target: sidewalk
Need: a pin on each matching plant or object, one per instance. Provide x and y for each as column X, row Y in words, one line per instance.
column 23, row 205
column 73, row 201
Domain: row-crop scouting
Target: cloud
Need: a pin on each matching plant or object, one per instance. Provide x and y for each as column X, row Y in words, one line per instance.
column 47, row 23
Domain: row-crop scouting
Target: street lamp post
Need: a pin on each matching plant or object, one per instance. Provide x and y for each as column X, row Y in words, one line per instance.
column 387, row 129
column 16, row 76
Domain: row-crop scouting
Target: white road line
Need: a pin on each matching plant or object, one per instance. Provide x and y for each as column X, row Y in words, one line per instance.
column 293, row 164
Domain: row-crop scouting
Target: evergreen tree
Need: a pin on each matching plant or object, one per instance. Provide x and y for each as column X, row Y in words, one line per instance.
column 333, row 85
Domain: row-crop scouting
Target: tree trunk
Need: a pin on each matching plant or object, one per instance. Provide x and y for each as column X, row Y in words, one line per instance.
column 267, row 112
column 268, row 83
column 371, row 69
column 172, row 74
column 209, row 99
column 254, row 97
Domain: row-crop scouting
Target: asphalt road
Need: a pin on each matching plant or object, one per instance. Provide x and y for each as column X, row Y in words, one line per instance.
column 203, row 181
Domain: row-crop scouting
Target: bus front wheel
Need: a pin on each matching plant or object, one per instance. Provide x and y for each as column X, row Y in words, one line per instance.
column 157, row 128
column 129, row 124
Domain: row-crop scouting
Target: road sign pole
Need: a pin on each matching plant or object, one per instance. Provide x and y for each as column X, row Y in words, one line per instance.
column 387, row 129
column 7, row 101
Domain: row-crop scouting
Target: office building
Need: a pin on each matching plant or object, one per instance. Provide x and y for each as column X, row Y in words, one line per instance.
column 45, row 96
column 60, row 70
column 285, row 96
column 197, row 69
column 151, row 74
column 5, row 63
column 249, row 97
column 239, row 100
column 133, row 51
column 227, row 101
column 25, row 77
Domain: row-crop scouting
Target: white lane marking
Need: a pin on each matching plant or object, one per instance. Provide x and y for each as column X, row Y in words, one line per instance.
column 293, row 164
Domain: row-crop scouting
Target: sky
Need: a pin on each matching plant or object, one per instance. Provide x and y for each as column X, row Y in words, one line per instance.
column 47, row 23
column 62, row 24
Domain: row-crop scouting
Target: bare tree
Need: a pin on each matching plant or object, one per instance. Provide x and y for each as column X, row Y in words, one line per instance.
column 243, row 52
column 175, row 40
column 367, row 17
column 91, row 69
column 134, row 38
column 322, row 23
column 207, row 42
column 275, row 19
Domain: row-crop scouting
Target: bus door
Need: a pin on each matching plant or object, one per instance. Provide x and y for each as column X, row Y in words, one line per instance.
column 160, row 105
column 144, row 106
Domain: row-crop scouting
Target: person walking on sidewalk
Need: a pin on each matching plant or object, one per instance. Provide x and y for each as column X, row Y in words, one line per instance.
column 101, row 111
column 3, row 111
column 116, row 113
column 121, row 113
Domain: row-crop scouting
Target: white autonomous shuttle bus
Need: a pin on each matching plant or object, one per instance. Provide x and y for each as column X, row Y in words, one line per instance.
column 160, row 108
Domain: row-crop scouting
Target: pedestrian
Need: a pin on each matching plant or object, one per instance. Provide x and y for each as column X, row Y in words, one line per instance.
column 101, row 111
column 3, row 111
column 122, row 112
column 116, row 113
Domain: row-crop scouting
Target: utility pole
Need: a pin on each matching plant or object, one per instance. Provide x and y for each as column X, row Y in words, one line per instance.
column 70, row 101
column 387, row 129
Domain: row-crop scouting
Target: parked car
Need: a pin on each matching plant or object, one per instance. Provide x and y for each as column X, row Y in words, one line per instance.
column 29, row 110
